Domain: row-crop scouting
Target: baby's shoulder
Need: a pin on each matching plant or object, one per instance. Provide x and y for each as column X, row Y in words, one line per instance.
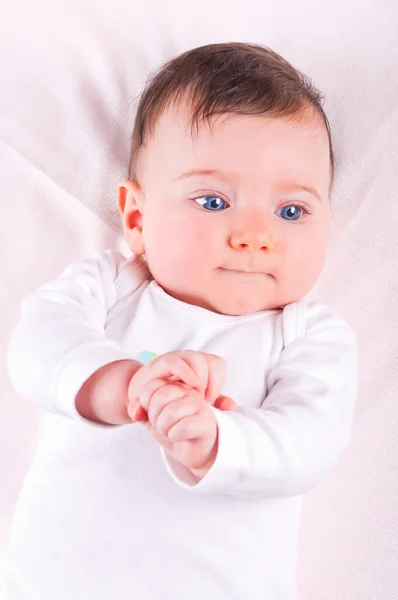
column 310, row 318
column 130, row 272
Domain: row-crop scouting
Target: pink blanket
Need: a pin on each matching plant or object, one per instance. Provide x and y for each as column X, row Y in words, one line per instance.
column 69, row 75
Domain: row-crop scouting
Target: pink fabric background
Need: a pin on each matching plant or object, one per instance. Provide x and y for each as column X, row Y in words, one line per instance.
column 69, row 74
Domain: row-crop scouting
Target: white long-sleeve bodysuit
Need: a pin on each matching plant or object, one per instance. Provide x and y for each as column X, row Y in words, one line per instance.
column 102, row 513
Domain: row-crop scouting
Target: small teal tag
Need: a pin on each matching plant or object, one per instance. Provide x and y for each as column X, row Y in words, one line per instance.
column 145, row 356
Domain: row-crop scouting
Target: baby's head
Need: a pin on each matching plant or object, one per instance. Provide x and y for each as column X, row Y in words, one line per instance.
column 230, row 176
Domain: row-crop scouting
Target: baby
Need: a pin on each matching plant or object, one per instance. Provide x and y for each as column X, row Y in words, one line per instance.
column 246, row 390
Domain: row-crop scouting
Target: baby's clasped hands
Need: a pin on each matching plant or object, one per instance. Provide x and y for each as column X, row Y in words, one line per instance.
column 172, row 396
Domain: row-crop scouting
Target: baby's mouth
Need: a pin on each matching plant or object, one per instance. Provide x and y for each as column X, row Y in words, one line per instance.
column 244, row 271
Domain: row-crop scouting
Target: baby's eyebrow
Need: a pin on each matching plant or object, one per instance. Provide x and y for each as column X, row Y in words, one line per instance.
column 304, row 188
column 206, row 173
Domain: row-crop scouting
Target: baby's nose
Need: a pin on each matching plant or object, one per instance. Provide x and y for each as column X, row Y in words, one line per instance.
column 252, row 239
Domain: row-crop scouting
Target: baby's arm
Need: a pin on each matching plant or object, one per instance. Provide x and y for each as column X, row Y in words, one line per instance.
column 60, row 358
column 60, row 339
column 291, row 443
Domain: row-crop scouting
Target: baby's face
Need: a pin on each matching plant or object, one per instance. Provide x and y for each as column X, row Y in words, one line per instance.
column 235, row 220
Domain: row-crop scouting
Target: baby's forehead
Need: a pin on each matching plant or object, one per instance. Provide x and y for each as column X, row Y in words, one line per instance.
column 180, row 120
column 249, row 150
column 233, row 137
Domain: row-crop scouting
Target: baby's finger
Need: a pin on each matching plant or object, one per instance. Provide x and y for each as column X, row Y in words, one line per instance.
column 198, row 363
column 161, row 398
column 166, row 367
column 188, row 428
column 217, row 376
column 225, row 403
column 138, row 409
column 149, row 390
column 173, row 365
column 138, row 414
column 179, row 409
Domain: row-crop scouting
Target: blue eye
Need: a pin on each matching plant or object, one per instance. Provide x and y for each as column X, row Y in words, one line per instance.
column 212, row 203
column 290, row 213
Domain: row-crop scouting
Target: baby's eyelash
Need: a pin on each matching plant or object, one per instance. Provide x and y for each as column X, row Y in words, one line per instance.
column 204, row 194
column 304, row 207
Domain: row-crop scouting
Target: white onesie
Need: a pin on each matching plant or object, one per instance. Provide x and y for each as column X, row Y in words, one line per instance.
column 102, row 513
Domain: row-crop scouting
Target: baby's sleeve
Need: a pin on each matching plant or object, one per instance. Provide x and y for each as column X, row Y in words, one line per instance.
column 291, row 443
column 60, row 338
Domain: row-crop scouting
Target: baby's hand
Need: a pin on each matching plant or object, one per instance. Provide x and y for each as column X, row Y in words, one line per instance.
column 181, row 420
column 202, row 372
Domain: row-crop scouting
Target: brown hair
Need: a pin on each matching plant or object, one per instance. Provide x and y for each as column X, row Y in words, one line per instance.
column 237, row 78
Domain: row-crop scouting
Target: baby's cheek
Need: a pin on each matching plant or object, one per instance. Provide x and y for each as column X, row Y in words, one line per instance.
column 191, row 252
column 177, row 252
column 309, row 266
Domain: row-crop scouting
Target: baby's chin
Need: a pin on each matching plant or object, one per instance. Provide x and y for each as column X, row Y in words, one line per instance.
column 236, row 301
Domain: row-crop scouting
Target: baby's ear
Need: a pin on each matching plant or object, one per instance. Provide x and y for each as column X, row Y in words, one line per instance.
column 130, row 201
